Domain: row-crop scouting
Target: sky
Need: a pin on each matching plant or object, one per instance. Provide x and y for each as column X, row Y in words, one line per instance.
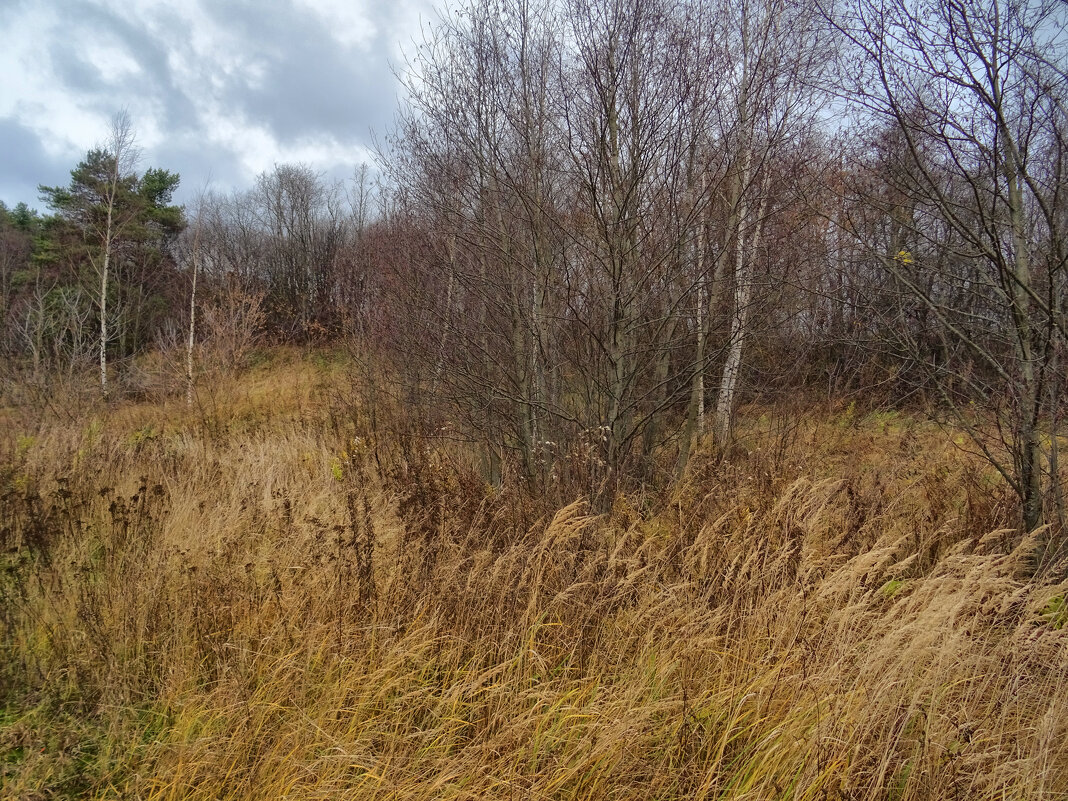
column 218, row 91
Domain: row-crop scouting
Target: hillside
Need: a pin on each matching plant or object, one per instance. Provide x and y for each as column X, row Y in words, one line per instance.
column 273, row 595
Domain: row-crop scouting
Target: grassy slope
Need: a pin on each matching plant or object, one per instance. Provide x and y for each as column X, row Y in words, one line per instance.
column 243, row 602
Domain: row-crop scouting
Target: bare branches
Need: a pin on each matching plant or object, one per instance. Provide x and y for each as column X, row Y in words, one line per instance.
column 973, row 95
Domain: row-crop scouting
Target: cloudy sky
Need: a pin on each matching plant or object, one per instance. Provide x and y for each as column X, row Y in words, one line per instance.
column 217, row 90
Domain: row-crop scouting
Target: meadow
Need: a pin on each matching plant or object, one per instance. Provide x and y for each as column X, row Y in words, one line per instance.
column 277, row 594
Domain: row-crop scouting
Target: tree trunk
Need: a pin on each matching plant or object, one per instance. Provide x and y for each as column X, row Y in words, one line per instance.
column 740, row 317
column 439, row 364
column 104, row 295
column 192, row 322
column 743, row 294
column 1028, row 454
column 695, row 417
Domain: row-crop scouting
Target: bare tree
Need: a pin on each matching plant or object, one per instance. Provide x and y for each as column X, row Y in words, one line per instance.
column 479, row 152
column 302, row 220
column 590, row 200
column 971, row 182
column 620, row 123
column 780, row 54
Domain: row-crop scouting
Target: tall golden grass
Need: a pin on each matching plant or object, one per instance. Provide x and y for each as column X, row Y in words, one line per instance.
column 260, row 600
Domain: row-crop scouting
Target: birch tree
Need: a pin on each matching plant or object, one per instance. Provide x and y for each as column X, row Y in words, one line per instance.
column 195, row 255
column 780, row 51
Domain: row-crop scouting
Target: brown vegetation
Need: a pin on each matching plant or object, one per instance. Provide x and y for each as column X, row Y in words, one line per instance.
column 271, row 597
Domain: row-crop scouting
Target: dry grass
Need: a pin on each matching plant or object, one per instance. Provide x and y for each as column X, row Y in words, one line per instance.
column 239, row 602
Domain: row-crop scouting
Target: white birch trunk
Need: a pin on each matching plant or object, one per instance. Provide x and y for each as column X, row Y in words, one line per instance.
column 104, row 294
column 192, row 321
column 743, row 294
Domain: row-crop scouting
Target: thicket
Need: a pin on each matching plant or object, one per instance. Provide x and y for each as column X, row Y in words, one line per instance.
column 603, row 226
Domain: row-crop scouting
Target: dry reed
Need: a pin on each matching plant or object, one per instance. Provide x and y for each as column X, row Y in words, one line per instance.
column 267, row 603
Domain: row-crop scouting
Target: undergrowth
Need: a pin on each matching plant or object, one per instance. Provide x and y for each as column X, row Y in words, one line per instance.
column 282, row 601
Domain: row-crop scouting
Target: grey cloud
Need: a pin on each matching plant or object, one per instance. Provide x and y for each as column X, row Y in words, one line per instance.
column 200, row 164
column 107, row 93
column 314, row 88
column 26, row 164
column 313, row 85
